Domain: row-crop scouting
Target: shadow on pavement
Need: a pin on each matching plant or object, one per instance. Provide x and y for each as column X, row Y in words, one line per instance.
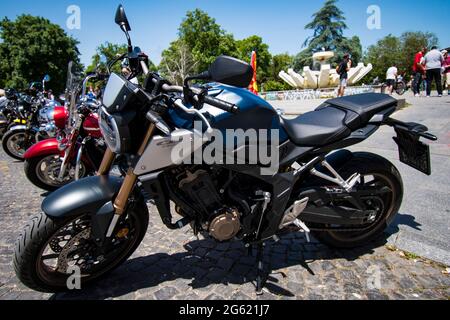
column 404, row 220
column 206, row 263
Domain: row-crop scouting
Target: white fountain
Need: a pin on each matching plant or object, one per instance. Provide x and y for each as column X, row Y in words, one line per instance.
column 327, row 77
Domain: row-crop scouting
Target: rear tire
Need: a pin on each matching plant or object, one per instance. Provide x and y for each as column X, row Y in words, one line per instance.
column 40, row 232
column 367, row 164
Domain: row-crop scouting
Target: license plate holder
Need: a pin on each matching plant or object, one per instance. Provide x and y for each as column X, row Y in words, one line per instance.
column 413, row 152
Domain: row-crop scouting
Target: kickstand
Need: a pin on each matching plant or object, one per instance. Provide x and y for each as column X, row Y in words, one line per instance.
column 261, row 278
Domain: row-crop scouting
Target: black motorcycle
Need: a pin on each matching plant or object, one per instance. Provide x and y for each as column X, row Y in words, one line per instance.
column 27, row 120
column 345, row 199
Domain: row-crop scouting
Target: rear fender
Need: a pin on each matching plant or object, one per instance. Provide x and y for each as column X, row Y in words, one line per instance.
column 43, row 148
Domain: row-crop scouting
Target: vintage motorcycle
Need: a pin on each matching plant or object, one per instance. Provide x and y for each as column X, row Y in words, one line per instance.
column 30, row 122
column 78, row 148
column 346, row 199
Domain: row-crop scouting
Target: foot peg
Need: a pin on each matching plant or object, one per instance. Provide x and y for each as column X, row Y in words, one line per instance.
column 293, row 212
column 301, row 225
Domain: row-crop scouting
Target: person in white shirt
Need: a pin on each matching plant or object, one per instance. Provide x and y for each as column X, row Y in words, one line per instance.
column 391, row 78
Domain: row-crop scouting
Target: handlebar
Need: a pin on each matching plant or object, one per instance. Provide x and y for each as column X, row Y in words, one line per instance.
column 223, row 105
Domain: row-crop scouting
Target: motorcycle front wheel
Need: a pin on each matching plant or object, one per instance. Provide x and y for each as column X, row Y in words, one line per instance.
column 49, row 251
column 44, row 171
column 15, row 144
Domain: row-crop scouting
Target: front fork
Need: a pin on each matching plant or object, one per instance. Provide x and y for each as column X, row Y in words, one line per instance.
column 129, row 182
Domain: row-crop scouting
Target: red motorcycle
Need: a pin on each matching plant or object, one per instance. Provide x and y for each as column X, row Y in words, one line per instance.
column 78, row 149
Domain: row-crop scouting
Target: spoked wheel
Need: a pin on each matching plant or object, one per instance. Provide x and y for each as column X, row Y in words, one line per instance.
column 44, row 172
column 401, row 88
column 376, row 172
column 49, row 251
column 15, row 144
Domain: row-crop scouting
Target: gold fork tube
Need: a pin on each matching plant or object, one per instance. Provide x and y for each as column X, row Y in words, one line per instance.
column 107, row 162
column 130, row 180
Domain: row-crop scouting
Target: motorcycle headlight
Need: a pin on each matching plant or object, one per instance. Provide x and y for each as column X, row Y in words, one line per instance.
column 110, row 131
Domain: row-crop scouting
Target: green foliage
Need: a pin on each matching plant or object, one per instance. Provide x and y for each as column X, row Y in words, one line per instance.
column 205, row 39
column 110, row 51
column 328, row 25
column 397, row 50
column 245, row 48
column 280, row 62
column 32, row 47
column 275, row 85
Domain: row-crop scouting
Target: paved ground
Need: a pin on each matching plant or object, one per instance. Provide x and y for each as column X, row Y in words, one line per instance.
column 174, row 265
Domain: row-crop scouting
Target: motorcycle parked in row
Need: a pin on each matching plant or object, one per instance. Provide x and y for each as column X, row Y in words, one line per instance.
column 78, row 148
column 32, row 113
column 346, row 199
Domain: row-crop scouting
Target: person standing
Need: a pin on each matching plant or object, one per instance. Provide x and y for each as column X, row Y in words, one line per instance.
column 446, row 70
column 391, row 78
column 342, row 70
column 433, row 61
column 418, row 71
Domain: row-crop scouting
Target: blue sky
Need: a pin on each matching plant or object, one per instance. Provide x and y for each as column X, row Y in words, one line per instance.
column 280, row 23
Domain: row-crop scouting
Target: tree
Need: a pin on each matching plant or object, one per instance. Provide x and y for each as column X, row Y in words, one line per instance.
column 279, row 62
column 384, row 54
column 328, row 27
column 111, row 51
column 177, row 62
column 255, row 43
column 32, row 47
column 411, row 43
column 399, row 51
column 205, row 39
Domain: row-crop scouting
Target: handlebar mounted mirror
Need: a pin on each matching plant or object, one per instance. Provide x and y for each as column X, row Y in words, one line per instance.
column 46, row 78
column 122, row 20
column 231, row 71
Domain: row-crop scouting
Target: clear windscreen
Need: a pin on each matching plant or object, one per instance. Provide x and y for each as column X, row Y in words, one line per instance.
column 73, row 87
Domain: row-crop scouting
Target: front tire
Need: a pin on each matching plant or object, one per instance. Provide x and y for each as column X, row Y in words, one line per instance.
column 44, row 233
column 15, row 145
column 385, row 172
column 43, row 172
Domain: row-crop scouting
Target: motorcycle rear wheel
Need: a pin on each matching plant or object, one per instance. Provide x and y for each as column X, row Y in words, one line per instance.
column 384, row 173
column 48, row 250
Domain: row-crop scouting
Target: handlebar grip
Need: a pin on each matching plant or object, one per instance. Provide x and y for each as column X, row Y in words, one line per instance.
column 223, row 105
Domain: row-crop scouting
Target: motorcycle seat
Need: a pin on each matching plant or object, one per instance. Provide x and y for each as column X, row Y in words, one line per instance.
column 317, row 128
column 336, row 119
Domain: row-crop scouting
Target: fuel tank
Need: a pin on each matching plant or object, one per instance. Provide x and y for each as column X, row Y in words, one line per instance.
column 91, row 126
column 255, row 113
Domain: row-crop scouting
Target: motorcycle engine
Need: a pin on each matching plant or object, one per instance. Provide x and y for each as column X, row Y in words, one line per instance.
column 220, row 221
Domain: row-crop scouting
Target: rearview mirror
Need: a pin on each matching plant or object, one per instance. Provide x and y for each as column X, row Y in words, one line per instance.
column 231, row 71
column 46, row 78
column 121, row 19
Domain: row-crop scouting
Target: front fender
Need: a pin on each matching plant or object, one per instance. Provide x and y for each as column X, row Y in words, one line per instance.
column 18, row 128
column 86, row 196
column 43, row 148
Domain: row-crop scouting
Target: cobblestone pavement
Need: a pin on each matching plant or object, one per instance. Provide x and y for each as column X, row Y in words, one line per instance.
column 174, row 265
